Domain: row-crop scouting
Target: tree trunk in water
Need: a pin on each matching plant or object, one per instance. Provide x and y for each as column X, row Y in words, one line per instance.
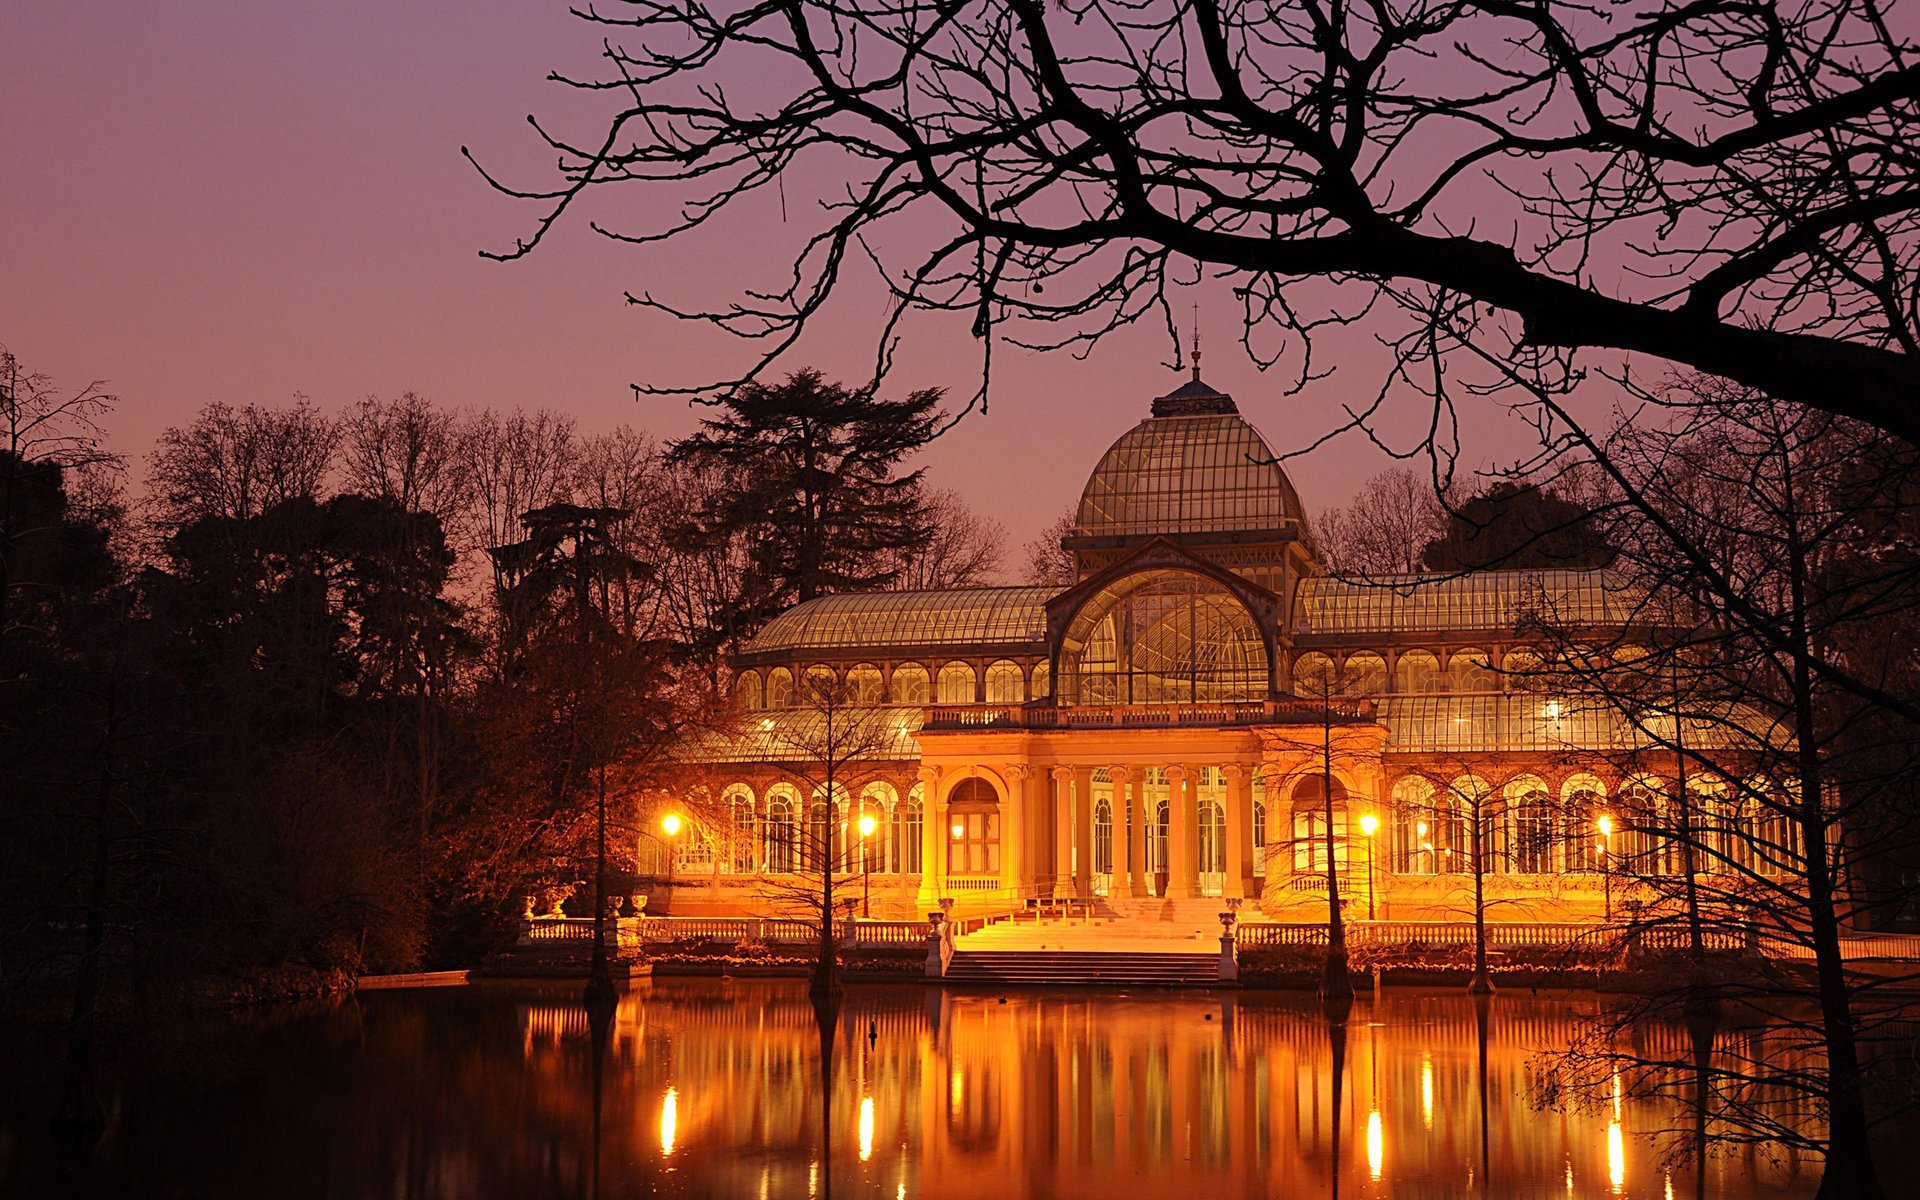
column 1482, row 982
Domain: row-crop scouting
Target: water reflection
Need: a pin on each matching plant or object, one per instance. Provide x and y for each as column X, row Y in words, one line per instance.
column 715, row 1088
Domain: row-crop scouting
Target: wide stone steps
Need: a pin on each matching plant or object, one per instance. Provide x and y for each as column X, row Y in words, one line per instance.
column 1106, row 968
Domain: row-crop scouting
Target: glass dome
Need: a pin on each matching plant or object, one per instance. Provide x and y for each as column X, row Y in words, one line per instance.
column 1183, row 471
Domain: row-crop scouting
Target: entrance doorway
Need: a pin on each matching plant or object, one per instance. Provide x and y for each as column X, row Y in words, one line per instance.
column 1213, row 848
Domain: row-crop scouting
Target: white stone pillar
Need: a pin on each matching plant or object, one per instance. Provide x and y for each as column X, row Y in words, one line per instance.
column 1081, row 846
column 1062, row 778
column 1129, row 784
column 933, row 838
column 1239, row 829
column 1013, row 826
column 1183, row 818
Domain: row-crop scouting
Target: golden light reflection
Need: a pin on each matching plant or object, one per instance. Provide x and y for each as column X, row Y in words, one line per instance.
column 1616, row 1157
column 1426, row 1091
column 866, row 1128
column 1376, row 1144
column 957, row 1089
column 669, row 1121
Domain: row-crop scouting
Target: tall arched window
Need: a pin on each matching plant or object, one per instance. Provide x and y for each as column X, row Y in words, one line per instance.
column 745, row 832
column 909, row 823
column 819, row 848
column 1535, row 830
column 1417, row 672
column 1157, row 839
column 876, row 850
column 973, row 834
column 1313, row 675
column 1520, row 671
column 779, row 855
column 1259, row 824
column 910, row 684
column 746, row 690
column 1583, row 803
column 957, row 684
column 1310, row 824
column 864, row 684
column 1103, row 837
column 1042, row 681
column 1417, row 837
column 1648, row 847
column 1006, row 683
column 780, row 688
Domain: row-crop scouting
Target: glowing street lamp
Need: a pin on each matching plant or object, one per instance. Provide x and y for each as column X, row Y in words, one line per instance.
column 671, row 823
column 1369, row 825
column 1605, row 825
column 867, row 826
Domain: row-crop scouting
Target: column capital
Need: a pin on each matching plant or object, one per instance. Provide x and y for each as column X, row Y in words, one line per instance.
column 1175, row 773
column 1062, row 774
column 1235, row 772
column 1120, row 774
column 1018, row 771
column 930, row 776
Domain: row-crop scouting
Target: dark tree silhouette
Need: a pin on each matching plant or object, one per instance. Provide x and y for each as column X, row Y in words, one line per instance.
column 1722, row 185
column 812, row 475
column 1517, row 526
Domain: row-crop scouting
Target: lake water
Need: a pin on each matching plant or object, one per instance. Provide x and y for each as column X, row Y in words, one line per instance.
column 714, row 1088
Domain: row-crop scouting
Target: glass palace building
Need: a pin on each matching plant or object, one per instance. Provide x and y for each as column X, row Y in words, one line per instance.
column 1167, row 726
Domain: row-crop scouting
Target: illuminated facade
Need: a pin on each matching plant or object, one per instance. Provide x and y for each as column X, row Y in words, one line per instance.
column 1166, row 727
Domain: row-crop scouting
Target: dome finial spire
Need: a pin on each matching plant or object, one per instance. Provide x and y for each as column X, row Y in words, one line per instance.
column 1196, row 341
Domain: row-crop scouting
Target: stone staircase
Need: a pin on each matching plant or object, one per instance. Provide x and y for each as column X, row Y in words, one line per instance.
column 1148, row 942
column 1106, row 968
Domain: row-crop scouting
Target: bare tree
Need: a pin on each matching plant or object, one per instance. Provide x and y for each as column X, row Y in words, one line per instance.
column 964, row 551
column 1049, row 564
column 407, row 451
column 1386, row 529
column 236, row 463
column 41, row 429
column 1720, row 185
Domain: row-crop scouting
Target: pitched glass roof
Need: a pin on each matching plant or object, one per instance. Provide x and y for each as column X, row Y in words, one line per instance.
column 798, row 735
column 1209, row 473
column 1475, row 724
column 1483, row 600
column 959, row 617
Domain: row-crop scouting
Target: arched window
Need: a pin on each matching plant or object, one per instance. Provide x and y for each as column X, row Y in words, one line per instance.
column 746, row 690
column 973, row 828
column 1213, row 837
column 1535, row 831
column 1103, row 837
column 818, row 848
column 1005, row 683
column 1313, row 675
column 1772, row 833
column 1259, row 824
column 780, row 688
column 823, row 688
column 1042, row 682
column 957, row 683
column 1418, row 672
column 1520, row 671
column 1712, row 820
column 1162, row 636
column 875, row 850
column 910, row 684
column 1365, row 674
column 1310, row 824
column 1418, row 840
column 745, row 832
column 1583, row 846
column 864, row 685
column 1157, row 838
column 908, row 820
column 1469, row 671
column 779, row 854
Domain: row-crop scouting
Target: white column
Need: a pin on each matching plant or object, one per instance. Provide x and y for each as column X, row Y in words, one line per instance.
column 1183, row 813
column 933, row 838
column 1013, row 825
column 1239, row 828
column 1062, row 828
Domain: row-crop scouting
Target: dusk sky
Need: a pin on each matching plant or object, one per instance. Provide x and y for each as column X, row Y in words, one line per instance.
column 240, row 201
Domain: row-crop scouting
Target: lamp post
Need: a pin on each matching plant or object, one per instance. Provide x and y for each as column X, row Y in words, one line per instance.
column 1605, row 824
column 1369, row 825
column 867, row 826
column 671, row 823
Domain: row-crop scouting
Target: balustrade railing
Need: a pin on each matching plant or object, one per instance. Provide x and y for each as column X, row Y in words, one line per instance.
column 1141, row 716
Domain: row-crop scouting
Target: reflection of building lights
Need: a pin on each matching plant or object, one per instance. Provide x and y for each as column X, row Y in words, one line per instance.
column 669, row 1121
column 1669, row 1192
column 866, row 1128
column 1376, row 1144
column 1616, row 1096
column 1616, row 1157
column 956, row 1090
column 1426, row 1091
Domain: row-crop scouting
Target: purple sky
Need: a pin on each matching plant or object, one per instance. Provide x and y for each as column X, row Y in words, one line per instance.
column 240, row 201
